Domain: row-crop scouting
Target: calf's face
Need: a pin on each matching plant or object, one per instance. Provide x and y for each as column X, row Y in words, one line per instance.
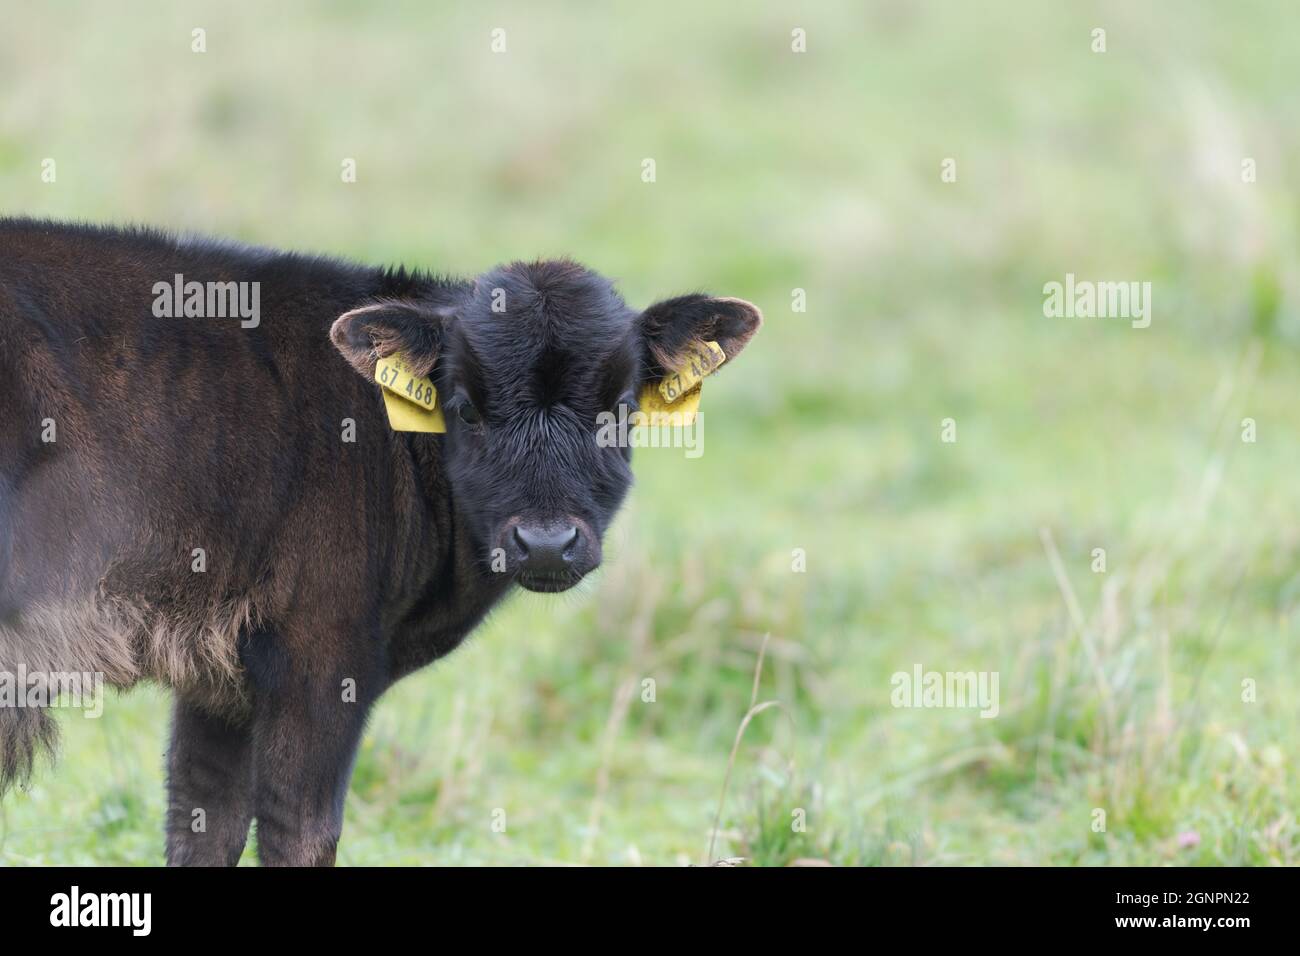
column 524, row 363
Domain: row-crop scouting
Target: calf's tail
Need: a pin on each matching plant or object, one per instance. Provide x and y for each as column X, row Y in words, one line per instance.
column 26, row 733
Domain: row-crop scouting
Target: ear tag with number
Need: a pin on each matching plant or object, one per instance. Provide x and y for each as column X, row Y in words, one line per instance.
column 411, row 399
column 676, row 399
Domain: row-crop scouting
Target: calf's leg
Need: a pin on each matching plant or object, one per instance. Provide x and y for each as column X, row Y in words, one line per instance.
column 209, row 789
column 307, row 727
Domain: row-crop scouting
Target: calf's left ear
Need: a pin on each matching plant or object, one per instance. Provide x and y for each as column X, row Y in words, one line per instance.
column 371, row 332
column 676, row 329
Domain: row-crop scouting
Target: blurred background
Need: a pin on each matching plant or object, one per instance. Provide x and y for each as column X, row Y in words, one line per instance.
column 922, row 300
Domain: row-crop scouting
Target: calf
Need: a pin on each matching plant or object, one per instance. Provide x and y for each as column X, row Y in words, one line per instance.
column 217, row 500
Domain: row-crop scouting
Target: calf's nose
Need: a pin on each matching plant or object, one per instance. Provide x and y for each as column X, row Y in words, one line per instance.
column 546, row 550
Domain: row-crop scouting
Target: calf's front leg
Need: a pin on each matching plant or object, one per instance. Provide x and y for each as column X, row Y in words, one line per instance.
column 306, row 730
column 209, row 788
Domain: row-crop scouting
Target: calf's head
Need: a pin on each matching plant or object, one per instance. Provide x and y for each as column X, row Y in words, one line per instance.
column 524, row 362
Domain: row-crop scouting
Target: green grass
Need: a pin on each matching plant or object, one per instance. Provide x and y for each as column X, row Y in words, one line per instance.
column 779, row 171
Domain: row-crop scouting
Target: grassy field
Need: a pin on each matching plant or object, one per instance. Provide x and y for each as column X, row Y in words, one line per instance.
column 776, row 171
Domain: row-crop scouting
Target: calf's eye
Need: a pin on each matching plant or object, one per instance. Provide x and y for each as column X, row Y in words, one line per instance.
column 468, row 414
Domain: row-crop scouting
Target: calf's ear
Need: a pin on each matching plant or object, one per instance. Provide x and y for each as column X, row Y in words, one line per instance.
column 675, row 329
column 371, row 332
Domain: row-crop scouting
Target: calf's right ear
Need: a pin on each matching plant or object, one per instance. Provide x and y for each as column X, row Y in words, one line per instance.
column 371, row 332
column 677, row 328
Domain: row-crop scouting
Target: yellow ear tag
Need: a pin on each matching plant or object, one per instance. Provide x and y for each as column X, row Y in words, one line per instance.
column 411, row 399
column 676, row 399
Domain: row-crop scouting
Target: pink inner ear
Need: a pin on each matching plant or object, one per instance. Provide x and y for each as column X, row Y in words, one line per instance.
column 366, row 334
column 737, row 326
column 676, row 327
